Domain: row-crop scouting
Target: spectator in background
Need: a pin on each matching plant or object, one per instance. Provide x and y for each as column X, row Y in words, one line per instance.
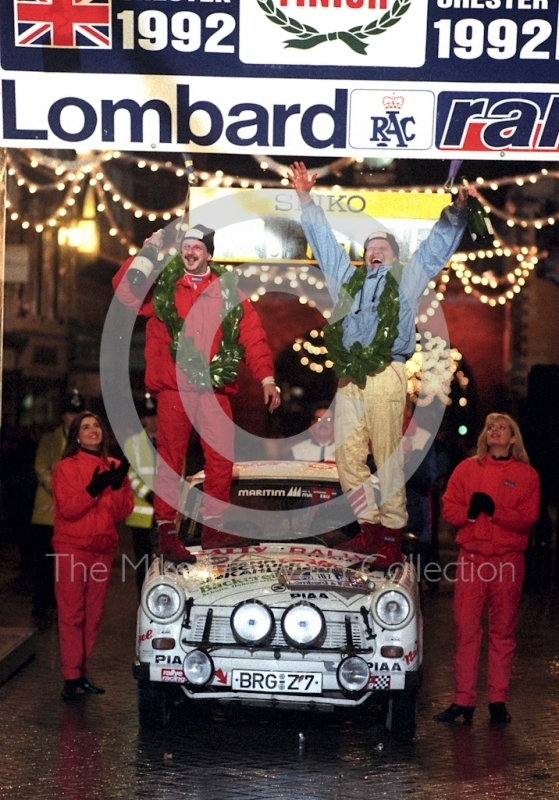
column 319, row 446
column 49, row 452
column 140, row 451
column 18, row 485
column 91, row 494
column 494, row 499
column 419, row 485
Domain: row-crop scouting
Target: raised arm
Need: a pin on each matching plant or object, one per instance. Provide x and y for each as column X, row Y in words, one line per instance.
column 332, row 259
column 123, row 289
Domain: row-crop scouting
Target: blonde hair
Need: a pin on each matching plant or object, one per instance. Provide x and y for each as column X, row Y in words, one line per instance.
column 518, row 451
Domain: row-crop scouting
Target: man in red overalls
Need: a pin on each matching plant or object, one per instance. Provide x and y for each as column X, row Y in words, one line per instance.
column 195, row 298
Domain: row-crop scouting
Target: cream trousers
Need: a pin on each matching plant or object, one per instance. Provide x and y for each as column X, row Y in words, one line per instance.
column 375, row 415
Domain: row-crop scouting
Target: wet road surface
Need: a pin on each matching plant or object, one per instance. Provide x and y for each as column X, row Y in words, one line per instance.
column 92, row 748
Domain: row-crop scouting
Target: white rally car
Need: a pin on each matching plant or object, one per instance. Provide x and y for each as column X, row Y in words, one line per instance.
column 299, row 623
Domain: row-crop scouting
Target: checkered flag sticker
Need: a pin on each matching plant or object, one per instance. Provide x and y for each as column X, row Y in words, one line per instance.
column 381, row 682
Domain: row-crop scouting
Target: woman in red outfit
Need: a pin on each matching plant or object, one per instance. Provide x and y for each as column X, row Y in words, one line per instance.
column 493, row 499
column 91, row 493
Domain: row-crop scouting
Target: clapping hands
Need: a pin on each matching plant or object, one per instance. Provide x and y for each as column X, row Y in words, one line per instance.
column 113, row 477
column 480, row 502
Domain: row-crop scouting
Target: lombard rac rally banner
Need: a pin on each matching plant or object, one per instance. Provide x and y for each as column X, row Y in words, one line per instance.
column 412, row 78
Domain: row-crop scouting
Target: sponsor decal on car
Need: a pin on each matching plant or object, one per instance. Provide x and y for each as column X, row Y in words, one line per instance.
column 379, row 682
column 261, row 492
column 383, row 666
column 161, row 659
column 172, row 675
column 412, row 655
column 221, row 677
column 234, row 583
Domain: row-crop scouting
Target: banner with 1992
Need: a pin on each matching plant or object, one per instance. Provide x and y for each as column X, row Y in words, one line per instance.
column 409, row 78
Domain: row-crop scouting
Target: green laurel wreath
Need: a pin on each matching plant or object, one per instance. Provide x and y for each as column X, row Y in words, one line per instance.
column 358, row 362
column 224, row 365
column 307, row 37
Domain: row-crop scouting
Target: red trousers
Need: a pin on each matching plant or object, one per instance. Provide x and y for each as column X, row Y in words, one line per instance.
column 495, row 582
column 81, row 580
column 212, row 416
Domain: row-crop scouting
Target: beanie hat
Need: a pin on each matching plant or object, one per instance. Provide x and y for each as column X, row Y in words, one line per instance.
column 389, row 237
column 146, row 407
column 203, row 234
column 72, row 403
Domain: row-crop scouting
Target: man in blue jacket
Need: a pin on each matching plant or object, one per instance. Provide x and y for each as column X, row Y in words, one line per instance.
column 369, row 345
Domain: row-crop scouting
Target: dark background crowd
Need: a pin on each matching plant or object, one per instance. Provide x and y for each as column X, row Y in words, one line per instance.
column 536, row 416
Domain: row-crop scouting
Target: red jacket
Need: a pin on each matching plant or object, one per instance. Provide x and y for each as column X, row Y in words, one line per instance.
column 202, row 324
column 513, row 486
column 80, row 520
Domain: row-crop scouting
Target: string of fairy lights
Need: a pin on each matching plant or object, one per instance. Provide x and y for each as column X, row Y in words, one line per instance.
column 430, row 370
column 433, row 362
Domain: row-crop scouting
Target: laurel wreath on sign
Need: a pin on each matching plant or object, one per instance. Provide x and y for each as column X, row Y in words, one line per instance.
column 308, row 37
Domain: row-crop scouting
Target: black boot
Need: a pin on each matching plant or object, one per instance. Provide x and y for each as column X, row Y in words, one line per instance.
column 498, row 713
column 88, row 687
column 454, row 711
column 69, row 690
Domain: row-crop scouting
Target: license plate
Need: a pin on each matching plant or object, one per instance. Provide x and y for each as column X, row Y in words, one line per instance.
column 252, row 680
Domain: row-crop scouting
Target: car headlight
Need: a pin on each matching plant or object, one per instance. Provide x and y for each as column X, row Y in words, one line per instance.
column 198, row 667
column 252, row 623
column 392, row 609
column 303, row 625
column 163, row 601
column 353, row 674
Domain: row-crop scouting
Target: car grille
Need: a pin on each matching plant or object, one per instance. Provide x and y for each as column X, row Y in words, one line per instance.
column 336, row 638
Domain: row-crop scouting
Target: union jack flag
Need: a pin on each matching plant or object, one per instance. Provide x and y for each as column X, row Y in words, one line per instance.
column 63, row 23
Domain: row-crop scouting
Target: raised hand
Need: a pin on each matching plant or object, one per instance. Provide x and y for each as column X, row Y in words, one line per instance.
column 155, row 240
column 461, row 198
column 300, row 179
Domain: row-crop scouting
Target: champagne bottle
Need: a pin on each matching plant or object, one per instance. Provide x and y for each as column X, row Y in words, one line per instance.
column 479, row 224
column 143, row 264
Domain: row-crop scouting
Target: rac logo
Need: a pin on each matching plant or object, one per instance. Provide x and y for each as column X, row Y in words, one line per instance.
column 498, row 121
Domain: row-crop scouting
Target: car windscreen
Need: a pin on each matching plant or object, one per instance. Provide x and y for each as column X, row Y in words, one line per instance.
column 316, row 514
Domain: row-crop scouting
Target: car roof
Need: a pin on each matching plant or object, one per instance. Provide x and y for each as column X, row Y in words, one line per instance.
column 285, row 470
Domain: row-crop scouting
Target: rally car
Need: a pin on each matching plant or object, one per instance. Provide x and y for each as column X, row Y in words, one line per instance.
column 297, row 624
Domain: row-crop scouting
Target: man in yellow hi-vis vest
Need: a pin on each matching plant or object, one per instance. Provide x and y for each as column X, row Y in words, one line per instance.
column 49, row 452
column 139, row 450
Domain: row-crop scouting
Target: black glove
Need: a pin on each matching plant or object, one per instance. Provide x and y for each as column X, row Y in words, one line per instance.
column 488, row 506
column 480, row 502
column 98, row 482
column 119, row 474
